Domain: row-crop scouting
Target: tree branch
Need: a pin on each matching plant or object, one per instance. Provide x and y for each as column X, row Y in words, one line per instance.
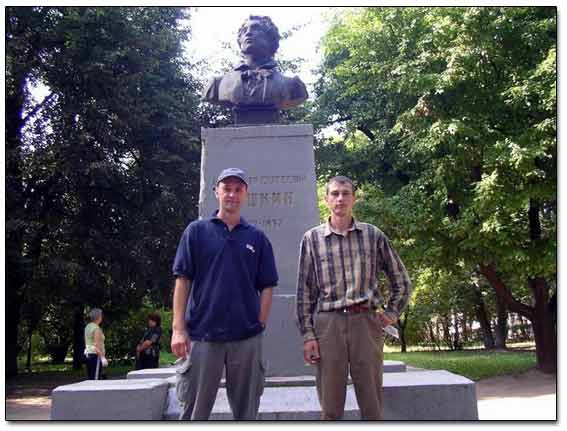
column 37, row 108
column 504, row 294
column 366, row 130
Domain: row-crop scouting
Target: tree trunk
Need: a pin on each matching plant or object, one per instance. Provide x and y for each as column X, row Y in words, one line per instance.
column 402, row 325
column 480, row 311
column 501, row 329
column 539, row 314
column 446, row 325
column 457, row 336
column 433, row 339
column 15, row 222
column 544, row 328
column 29, row 358
column 465, row 329
column 78, row 337
column 13, row 306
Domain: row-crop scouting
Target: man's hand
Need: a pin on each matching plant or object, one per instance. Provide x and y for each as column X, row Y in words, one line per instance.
column 311, row 352
column 180, row 344
column 385, row 319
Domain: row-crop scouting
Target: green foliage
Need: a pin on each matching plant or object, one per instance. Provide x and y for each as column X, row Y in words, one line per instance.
column 447, row 117
column 123, row 332
column 103, row 173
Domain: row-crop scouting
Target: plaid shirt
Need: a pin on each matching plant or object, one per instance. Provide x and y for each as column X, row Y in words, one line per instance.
column 336, row 271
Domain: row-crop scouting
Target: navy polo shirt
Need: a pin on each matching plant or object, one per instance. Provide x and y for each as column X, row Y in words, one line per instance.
column 228, row 270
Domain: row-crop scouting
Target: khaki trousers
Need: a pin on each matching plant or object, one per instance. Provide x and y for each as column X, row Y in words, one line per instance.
column 350, row 341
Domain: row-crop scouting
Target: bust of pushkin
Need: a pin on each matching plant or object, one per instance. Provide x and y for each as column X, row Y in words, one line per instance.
column 255, row 89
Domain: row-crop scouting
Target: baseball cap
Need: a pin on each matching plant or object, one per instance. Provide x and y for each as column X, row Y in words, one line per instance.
column 233, row 172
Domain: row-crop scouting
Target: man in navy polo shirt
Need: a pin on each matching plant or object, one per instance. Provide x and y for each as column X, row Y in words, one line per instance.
column 225, row 273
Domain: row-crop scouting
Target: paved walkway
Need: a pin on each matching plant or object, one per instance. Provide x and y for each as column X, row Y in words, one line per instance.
column 529, row 396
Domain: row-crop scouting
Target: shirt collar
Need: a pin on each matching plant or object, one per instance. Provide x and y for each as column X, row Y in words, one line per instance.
column 329, row 229
column 215, row 219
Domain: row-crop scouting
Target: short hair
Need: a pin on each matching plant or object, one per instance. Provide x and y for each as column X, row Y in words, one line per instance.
column 94, row 314
column 155, row 317
column 341, row 179
column 268, row 27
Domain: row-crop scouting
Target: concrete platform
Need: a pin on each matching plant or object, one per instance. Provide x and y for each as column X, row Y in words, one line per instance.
column 110, row 400
column 417, row 396
column 306, row 380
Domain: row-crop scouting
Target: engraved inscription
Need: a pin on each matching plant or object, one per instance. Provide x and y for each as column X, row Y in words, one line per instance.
column 270, row 199
column 268, row 223
column 277, row 179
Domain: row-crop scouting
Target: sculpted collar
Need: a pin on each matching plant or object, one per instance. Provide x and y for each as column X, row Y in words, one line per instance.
column 261, row 72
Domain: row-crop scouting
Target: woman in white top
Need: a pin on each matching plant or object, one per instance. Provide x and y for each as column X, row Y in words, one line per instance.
column 94, row 345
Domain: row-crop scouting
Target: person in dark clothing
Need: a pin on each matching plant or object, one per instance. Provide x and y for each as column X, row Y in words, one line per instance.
column 147, row 350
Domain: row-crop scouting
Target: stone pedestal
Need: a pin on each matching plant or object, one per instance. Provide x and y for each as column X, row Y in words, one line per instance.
column 282, row 201
column 110, row 400
column 408, row 396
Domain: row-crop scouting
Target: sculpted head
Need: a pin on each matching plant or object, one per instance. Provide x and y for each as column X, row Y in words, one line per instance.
column 259, row 37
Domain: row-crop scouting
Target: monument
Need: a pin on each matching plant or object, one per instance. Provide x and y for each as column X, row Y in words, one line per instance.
column 279, row 161
column 255, row 89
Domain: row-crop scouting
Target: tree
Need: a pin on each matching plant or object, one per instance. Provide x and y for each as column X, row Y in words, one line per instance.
column 458, row 107
column 103, row 174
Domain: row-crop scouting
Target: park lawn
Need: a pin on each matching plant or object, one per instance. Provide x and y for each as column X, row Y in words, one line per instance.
column 474, row 364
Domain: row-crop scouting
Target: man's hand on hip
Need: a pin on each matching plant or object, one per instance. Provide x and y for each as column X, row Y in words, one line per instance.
column 311, row 352
column 385, row 319
column 180, row 344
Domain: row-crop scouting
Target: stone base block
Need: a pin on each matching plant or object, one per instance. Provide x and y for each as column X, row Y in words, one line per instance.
column 416, row 396
column 307, row 380
column 110, row 400
column 152, row 373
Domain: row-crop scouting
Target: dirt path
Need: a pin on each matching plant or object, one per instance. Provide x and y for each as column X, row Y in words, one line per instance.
column 528, row 396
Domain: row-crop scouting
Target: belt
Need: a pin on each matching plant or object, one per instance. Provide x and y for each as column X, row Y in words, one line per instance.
column 354, row 308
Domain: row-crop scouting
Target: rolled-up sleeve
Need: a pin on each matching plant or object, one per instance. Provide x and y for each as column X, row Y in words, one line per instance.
column 307, row 292
column 400, row 283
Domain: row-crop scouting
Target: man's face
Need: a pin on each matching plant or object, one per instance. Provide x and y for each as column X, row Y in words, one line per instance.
column 254, row 40
column 340, row 199
column 231, row 193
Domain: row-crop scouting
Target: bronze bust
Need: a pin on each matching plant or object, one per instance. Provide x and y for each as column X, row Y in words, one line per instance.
column 256, row 90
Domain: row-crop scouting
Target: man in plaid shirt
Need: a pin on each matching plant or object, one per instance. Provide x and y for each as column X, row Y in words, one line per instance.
column 340, row 309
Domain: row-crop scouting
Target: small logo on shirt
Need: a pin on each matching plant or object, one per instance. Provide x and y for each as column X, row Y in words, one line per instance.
column 251, row 248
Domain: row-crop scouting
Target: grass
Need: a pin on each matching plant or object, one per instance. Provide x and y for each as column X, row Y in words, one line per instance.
column 42, row 365
column 474, row 364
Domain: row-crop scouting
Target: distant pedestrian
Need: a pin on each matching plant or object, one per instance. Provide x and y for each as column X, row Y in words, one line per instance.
column 95, row 353
column 147, row 350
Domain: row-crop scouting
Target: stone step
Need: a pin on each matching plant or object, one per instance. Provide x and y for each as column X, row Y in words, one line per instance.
column 110, row 400
column 420, row 395
column 306, row 380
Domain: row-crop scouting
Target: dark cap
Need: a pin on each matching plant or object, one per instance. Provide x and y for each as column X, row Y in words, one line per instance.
column 233, row 172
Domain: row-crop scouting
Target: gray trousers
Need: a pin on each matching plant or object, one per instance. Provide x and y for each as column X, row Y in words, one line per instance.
column 198, row 378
